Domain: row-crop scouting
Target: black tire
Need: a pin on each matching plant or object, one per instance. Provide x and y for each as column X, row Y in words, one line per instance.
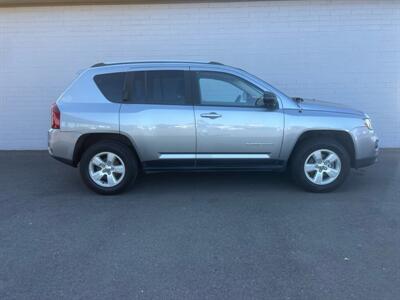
column 123, row 152
column 305, row 149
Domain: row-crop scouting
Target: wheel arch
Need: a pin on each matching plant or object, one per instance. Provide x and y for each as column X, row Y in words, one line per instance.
column 88, row 139
column 342, row 136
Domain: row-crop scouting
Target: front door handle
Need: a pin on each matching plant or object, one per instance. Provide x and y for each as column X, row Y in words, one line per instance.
column 211, row 115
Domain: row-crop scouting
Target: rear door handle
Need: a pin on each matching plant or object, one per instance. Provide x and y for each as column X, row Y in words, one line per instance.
column 211, row 115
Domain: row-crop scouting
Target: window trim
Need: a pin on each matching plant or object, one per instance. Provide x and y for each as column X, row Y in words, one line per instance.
column 196, row 90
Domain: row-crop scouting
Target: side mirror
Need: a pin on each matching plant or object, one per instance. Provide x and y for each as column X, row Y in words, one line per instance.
column 270, row 101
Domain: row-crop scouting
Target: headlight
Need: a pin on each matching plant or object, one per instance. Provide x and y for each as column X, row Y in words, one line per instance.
column 368, row 123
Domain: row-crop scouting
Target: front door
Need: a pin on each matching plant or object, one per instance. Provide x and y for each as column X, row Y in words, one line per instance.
column 234, row 129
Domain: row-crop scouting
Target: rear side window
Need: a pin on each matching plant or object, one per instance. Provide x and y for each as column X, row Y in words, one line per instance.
column 147, row 87
column 166, row 87
column 138, row 87
column 158, row 87
column 111, row 85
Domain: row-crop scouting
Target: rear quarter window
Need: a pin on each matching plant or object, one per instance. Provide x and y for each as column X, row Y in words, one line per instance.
column 111, row 85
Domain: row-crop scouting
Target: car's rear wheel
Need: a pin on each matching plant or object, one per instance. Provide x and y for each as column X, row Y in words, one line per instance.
column 320, row 165
column 108, row 167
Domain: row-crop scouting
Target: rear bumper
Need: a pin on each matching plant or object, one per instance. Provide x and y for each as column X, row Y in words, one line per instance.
column 61, row 145
column 64, row 160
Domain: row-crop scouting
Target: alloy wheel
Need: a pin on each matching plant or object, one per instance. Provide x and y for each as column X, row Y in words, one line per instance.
column 322, row 167
column 106, row 169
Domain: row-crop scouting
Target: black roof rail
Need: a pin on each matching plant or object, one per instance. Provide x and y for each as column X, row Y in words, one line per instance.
column 216, row 63
column 102, row 64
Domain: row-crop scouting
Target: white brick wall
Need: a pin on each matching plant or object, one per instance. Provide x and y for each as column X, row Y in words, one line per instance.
column 343, row 51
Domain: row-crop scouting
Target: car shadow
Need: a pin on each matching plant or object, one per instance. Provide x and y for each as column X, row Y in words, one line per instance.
column 40, row 175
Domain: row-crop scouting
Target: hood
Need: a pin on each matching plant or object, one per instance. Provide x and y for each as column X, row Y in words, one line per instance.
column 318, row 105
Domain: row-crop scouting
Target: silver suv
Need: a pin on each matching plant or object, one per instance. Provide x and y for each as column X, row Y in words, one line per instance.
column 119, row 119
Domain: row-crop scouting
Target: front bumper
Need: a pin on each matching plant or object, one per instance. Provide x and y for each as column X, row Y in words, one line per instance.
column 366, row 147
column 365, row 162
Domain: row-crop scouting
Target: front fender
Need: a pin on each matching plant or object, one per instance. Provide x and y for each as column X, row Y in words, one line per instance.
column 298, row 123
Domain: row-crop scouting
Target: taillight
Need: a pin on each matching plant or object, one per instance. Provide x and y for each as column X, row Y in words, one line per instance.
column 55, row 116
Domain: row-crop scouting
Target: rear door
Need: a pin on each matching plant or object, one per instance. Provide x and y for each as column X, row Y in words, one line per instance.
column 159, row 118
column 234, row 129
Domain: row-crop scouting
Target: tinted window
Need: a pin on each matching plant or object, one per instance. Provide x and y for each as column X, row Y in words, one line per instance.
column 111, row 85
column 138, row 88
column 225, row 89
column 165, row 87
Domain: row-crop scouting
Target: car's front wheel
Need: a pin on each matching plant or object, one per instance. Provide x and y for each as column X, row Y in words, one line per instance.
column 320, row 165
column 108, row 167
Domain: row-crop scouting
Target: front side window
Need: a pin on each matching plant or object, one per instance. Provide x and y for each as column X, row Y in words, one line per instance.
column 224, row 89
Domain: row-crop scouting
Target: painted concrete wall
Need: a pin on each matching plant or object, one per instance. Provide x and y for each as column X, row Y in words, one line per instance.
column 342, row 51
